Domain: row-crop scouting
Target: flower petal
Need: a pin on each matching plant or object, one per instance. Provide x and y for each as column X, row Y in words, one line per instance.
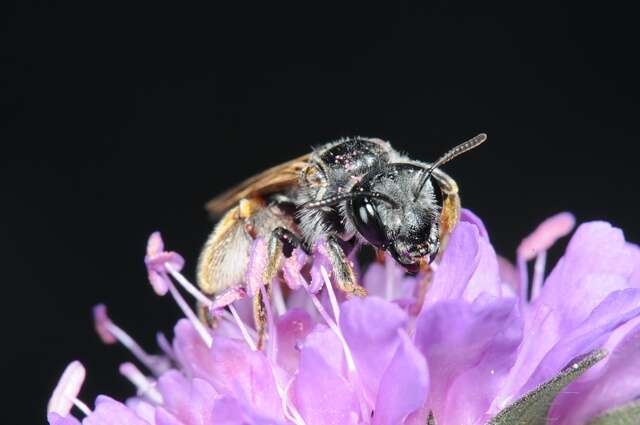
column 292, row 327
column 229, row 411
column 189, row 400
column 111, row 412
column 163, row 417
column 468, row 268
column 370, row 327
column 597, row 264
column 469, row 217
column 615, row 310
column 404, row 385
column 245, row 375
column 55, row 419
column 142, row 409
column 320, row 391
column 388, row 281
column 469, row 348
column 612, row 382
column 191, row 351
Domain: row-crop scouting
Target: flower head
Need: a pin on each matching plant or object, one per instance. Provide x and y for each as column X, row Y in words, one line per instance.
column 466, row 343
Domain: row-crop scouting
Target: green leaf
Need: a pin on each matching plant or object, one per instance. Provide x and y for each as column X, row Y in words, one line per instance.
column 532, row 408
column 628, row 414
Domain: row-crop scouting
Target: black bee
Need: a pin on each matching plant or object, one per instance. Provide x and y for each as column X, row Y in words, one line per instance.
column 352, row 189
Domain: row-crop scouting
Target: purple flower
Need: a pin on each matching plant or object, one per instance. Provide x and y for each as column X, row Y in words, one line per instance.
column 468, row 343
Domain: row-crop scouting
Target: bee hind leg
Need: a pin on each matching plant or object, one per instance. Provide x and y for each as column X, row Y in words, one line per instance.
column 281, row 243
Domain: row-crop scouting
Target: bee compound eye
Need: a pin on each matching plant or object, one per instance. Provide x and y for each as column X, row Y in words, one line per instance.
column 368, row 222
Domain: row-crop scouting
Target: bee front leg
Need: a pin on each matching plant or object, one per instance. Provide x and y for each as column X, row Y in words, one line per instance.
column 345, row 278
column 281, row 243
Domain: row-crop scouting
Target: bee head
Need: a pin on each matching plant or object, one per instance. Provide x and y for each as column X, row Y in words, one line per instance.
column 396, row 207
column 386, row 212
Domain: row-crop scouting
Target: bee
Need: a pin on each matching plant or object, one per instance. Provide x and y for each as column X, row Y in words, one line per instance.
column 353, row 190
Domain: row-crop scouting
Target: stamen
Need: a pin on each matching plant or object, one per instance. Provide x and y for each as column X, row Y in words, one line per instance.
column 242, row 327
column 186, row 309
column 278, row 298
column 82, row 406
column 334, row 327
column 332, row 295
column 144, row 386
column 524, row 279
column 165, row 346
column 290, row 411
column 388, row 268
column 67, row 389
column 109, row 332
column 537, row 243
column 224, row 299
column 538, row 274
column 188, row 286
column 545, row 235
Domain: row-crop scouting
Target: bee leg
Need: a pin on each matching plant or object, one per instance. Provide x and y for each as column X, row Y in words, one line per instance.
column 260, row 317
column 205, row 316
column 281, row 243
column 345, row 278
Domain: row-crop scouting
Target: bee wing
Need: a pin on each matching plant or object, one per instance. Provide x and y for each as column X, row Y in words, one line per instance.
column 269, row 181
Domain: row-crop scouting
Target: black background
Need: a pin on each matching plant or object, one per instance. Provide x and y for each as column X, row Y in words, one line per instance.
column 122, row 118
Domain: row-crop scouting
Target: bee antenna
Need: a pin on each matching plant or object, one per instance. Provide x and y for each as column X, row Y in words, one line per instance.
column 332, row 200
column 458, row 150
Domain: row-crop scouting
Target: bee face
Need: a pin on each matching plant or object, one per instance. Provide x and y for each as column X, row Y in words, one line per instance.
column 408, row 227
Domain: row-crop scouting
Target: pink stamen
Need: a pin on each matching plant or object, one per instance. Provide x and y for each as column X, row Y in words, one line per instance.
column 243, row 328
column 278, row 298
column 536, row 245
column 186, row 309
column 546, row 234
column 524, row 279
column 67, row 389
column 109, row 332
column 290, row 411
column 101, row 321
column 188, row 286
column 224, row 299
column 165, row 346
column 82, row 406
column 332, row 295
column 144, row 386
column 388, row 268
column 538, row 274
column 227, row 297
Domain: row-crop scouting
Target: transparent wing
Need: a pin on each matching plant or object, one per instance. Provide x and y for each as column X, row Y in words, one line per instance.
column 270, row 181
